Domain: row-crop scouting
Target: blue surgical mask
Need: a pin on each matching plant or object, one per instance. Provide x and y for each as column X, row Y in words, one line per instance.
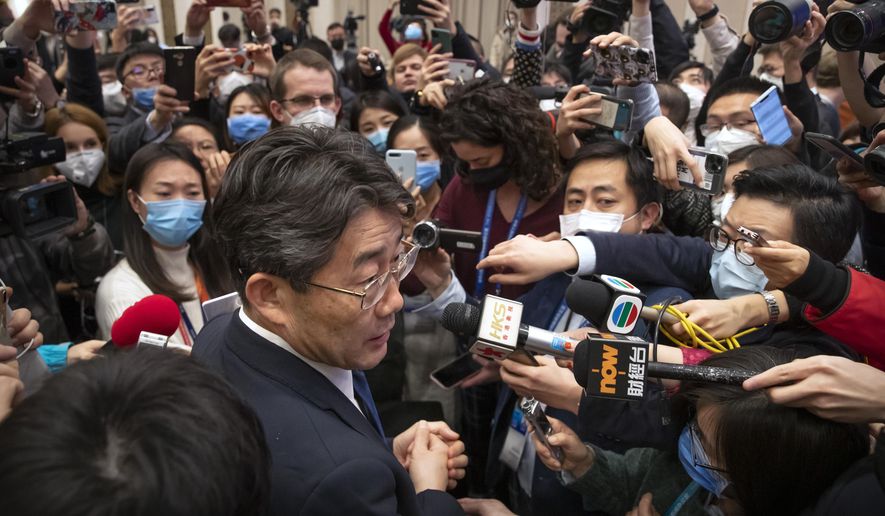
column 247, row 127
column 709, row 479
column 144, row 97
column 413, row 33
column 731, row 278
column 426, row 174
column 378, row 139
column 172, row 223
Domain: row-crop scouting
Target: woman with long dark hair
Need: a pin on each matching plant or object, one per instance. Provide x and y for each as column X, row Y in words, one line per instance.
column 167, row 240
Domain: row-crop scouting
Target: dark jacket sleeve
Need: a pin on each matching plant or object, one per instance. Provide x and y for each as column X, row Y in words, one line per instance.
column 462, row 48
column 84, row 85
column 670, row 46
column 123, row 144
column 656, row 259
column 734, row 65
column 572, row 57
column 873, row 240
column 799, row 98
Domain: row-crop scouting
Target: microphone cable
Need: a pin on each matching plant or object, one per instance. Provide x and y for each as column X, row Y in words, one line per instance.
column 695, row 336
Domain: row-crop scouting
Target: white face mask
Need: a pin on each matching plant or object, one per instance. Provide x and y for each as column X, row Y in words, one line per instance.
column 316, row 116
column 777, row 81
column 721, row 205
column 728, row 140
column 228, row 83
column 114, row 100
column 586, row 220
column 82, row 167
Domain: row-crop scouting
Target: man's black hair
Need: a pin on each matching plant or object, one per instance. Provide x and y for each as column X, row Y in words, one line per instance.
column 137, row 49
column 640, row 173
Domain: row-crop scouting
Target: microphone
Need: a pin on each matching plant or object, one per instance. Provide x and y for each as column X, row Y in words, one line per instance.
column 499, row 330
column 611, row 303
column 151, row 320
column 610, row 366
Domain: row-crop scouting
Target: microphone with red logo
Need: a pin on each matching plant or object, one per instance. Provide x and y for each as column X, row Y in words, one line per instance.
column 151, row 321
column 499, row 331
column 612, row 304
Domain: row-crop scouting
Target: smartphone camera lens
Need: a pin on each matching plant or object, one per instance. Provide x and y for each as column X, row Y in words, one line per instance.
column 642, row 57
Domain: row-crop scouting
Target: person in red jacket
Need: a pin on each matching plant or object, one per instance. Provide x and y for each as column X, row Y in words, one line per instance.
column 842, row 302
column 436, row 11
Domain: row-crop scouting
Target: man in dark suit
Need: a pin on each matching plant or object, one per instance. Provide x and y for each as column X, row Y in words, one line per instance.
column 311, row 223
column 343, row 58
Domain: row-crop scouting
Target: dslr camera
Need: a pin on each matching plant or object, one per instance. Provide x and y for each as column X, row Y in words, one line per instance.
column 860, row 28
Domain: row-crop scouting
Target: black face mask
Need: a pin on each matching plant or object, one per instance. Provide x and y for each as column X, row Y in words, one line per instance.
column 489, row 177
column 337, row 44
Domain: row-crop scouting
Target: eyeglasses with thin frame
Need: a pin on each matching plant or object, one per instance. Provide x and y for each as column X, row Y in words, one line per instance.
column 720, row 241
column 307, row 101
column 140, row 71
column 375, row 289
column 708, row 129
column 698, row 454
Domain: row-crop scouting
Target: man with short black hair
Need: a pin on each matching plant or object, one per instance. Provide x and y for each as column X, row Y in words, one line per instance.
column 311, row 220
column 144, row 431
column 337, row 39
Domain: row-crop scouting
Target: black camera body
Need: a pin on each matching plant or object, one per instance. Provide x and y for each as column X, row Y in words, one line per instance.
column 606, row 16
column 39, row 209
column 860, row 28
column 431, row 235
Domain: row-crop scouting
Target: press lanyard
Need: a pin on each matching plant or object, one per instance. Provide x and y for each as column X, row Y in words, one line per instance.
column 683, row 499
column 486, row 231
column 186, row 328
column 560, row 312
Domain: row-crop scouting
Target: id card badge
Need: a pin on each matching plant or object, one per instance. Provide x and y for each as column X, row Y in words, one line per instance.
column 515, row 441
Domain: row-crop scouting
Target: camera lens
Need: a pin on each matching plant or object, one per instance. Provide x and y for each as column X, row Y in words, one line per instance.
column 845, row 31
column 425, row 235
column 777, row 20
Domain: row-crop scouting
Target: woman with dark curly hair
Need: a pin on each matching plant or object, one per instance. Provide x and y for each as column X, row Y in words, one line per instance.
column 507, row 173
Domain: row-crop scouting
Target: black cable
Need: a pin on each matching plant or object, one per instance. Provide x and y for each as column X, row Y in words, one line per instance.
column 671, row 300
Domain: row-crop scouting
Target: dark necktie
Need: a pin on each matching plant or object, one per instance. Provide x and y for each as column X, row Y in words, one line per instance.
column 364, row 399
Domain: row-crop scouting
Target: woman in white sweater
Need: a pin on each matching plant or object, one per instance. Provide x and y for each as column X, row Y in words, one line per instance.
column 167, row 241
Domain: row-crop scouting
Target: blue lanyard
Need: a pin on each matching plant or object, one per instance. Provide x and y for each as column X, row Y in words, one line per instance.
column 683, row 499
column 487, row 229
column 187, row 324
column 560, row 313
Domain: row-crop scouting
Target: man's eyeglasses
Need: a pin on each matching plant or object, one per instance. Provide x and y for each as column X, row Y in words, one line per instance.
column 141, row 72
column 308, row 101
column 720, row 241
column 711, row 128
column 698, row 455
column 375, row 289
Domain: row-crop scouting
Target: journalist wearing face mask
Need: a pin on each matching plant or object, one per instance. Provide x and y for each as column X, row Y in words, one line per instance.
column 167, row 241
column 421, row 135
column 372, row 114
column 304, row 90
column 248, row 115
column 507, row 173
column 86, row 141
column 738, row 452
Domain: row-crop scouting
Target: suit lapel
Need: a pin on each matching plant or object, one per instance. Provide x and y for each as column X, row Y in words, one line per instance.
column 287, row 369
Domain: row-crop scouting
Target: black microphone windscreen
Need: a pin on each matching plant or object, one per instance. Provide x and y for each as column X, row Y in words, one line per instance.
column 589, row 299
column 461, row 318
column 581, row 363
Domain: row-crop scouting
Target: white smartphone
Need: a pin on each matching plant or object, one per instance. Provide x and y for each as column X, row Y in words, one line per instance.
column 770, row 118
column 149, row 15
column 403, row 162
column 222, row 305
column 461, row 70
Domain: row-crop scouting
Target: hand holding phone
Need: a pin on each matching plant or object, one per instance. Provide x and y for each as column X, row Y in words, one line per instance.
column 180, row 74
column 770, row 118
column 534, row 415
column 403, row 162
column 714, row 166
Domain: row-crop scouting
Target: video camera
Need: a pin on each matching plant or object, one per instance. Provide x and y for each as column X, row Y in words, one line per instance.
column 38, row 209
column 431, row 235
column 351, row 25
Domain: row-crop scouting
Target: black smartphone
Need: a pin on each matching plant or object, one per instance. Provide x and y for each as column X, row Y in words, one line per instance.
column 442, row 37
column 714, row 166
column 12, row 65
column 835, row 149
column 410, row 7
column 456, row 371
column 180, row 64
